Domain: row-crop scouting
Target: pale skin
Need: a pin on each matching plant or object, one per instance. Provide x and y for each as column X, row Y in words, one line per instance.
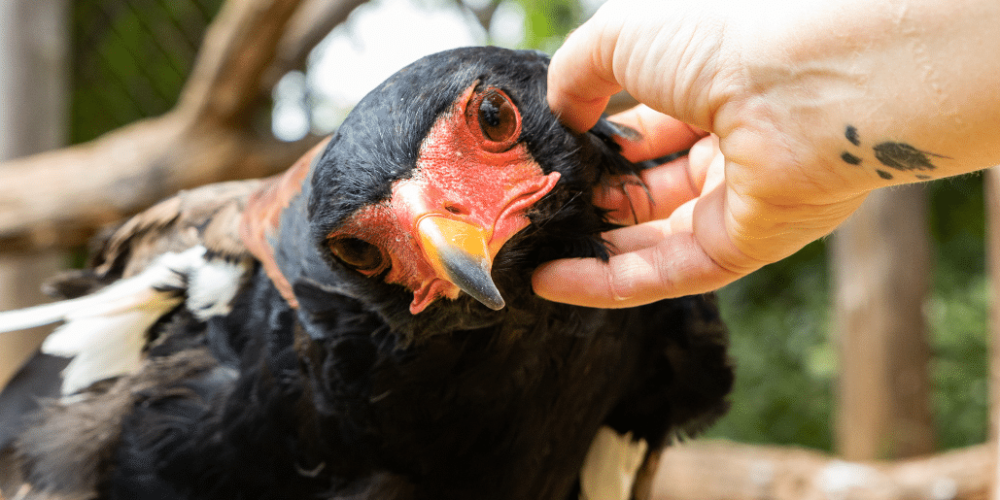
column 793, row 112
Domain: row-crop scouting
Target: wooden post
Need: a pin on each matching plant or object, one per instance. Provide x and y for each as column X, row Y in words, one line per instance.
column 881, row 268
column 33, row 118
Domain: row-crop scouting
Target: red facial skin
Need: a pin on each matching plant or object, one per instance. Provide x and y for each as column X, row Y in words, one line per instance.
column 460, row 174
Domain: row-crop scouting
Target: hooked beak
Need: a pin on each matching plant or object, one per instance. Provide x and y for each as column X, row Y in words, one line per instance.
column 460, row 251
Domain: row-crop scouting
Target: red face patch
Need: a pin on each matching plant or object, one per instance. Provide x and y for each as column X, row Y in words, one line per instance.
column 470, row 168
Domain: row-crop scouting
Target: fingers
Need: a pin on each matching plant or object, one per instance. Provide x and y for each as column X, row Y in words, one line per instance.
column 690, row 252
column 581, row 78
column 704, row 244
column 662, row 259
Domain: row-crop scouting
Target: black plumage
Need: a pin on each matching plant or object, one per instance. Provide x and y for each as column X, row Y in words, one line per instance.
column 318, row 381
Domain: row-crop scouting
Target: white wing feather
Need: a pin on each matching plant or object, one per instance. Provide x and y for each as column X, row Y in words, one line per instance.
column 611, row 466
column 105, row 332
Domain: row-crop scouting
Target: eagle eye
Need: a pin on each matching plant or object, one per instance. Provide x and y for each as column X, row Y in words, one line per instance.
column 357, row 254
column 497, row 119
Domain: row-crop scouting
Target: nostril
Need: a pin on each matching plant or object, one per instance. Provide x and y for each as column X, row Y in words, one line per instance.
column 456, row 209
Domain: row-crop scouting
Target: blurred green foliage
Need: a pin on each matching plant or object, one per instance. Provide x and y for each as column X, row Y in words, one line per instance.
column 780, row 320
column 547, row 23
column 958, row 312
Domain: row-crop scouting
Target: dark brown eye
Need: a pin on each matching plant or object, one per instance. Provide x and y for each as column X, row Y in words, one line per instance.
column 497, row 117
column 357, row 254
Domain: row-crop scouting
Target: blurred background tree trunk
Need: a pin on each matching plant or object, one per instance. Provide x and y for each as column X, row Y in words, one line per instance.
column 33, row 118
column 880, row 274
column 992, row 186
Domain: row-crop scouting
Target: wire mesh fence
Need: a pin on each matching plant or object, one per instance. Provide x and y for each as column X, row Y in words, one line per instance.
column 130, row 59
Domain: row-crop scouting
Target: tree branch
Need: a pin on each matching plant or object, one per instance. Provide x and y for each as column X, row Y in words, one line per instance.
column 60, row 198
column 310, row 24
column 225, row 84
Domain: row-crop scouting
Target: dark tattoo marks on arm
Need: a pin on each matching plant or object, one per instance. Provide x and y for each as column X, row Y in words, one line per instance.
column 849, row 158
column 898, row 156
column 852, row 135
column 904, row 157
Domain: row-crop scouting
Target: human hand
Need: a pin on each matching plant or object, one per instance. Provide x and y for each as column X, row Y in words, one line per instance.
column 684, row 243
column 799, row 99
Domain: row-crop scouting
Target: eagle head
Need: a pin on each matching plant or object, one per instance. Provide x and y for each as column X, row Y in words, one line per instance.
column 441, row 192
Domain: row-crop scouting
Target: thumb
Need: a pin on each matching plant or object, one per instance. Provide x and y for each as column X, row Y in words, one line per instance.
column 581, row 78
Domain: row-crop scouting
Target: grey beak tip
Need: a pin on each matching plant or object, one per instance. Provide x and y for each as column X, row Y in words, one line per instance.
column 481, row 288
column 496, row 303
column 473, row 277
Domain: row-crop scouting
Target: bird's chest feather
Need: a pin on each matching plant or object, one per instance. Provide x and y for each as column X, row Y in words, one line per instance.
column 506, row 411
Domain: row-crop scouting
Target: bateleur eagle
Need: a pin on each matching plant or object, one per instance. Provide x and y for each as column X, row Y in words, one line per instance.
column 363, row 327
